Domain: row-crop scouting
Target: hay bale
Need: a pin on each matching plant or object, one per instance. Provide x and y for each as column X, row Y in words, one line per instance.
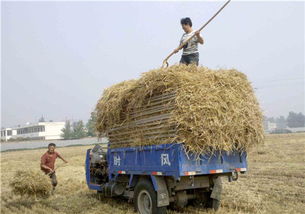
column 31, row 183
column 205, row 109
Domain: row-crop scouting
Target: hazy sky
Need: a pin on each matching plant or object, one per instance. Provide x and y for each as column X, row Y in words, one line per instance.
column 57, row 57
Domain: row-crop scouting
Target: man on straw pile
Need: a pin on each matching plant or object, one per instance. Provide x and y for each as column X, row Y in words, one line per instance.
column 190, row 53
column 47, row 164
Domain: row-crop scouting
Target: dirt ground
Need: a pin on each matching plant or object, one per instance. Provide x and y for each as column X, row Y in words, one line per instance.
column 275, row 183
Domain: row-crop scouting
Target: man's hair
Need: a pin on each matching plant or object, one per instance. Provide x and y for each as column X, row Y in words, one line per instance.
column 51, row 144
column 186, row 21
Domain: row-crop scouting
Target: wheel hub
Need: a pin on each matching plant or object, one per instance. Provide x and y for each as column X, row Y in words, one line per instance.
column 144, row 202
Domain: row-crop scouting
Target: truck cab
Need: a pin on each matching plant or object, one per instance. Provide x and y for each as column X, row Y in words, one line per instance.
column 157, row 176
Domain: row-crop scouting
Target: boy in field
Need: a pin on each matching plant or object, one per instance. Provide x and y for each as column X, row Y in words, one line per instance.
column 47, row 163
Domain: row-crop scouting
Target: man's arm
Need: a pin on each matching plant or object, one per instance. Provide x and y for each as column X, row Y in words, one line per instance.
column 176, row 50
column 58, row 155
column 46, row 167
column 199, row 37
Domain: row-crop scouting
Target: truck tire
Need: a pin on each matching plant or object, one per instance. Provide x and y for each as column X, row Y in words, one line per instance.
column 145, row 199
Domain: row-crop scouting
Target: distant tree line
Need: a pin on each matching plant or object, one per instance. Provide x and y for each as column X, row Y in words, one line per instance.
column 77, row 130
column 293, row 120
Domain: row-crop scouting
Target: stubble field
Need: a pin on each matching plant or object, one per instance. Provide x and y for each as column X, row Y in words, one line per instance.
column 275, row 183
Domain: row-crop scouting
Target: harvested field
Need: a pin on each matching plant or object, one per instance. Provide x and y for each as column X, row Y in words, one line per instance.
column 274, row 183
column 206, row 109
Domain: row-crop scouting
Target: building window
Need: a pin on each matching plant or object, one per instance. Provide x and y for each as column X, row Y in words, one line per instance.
column 9, row 132
column 26, row 130
column 41, row 128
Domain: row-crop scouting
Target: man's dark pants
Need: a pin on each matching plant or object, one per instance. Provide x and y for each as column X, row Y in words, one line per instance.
column 190, row 59
column 53, row 179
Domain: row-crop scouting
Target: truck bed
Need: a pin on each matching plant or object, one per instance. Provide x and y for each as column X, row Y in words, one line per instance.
column 171, row 160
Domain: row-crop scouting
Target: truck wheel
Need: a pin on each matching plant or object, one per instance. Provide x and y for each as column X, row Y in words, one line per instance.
column 145, row 199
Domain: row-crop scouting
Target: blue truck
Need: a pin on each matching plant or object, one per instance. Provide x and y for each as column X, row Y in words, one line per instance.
column 157, row 176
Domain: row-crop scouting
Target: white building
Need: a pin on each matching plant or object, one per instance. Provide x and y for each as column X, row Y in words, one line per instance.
column 271, row 126
column 35, row 131
column 7, row 133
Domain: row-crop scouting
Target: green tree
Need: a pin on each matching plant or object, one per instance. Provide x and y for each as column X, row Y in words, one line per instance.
column 281, row 122
column 79, row 130
column 271, row 119
column 91, row 131
column 295, row 120
column 67, row 132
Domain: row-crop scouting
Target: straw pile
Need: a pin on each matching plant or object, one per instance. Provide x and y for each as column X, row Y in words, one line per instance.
column 205, row 109
column 31, row 183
